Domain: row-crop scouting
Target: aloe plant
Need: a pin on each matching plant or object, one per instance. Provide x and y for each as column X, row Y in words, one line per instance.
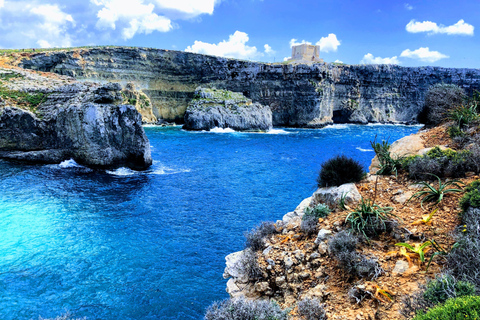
column 426, row 219
column 418, row 249
column 430, row 193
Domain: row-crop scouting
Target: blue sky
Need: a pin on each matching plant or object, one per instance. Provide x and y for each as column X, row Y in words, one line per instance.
column 408, row 33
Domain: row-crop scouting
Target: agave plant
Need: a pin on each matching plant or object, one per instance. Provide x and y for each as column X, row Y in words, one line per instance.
column 369, row 218
column 430, row 193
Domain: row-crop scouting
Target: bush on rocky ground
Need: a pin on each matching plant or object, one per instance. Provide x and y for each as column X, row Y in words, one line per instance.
column 443, row 163
column 463, row 261
column 236, row 309
column 467, row 307
column 311, row 309
column 342, row 247
column 471, row 198
column 446, row 286
column 255, row 238
column 440, row 99
column 248, row 265
column 340, row 170
column 311, row 216
column 309, row 225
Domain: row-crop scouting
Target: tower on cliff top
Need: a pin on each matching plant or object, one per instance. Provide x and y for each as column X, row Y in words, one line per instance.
column 306, row 53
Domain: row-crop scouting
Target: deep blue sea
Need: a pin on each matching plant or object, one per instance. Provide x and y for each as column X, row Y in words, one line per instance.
column 152, row 245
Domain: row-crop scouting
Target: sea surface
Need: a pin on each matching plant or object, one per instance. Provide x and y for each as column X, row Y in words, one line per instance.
column 151, row 245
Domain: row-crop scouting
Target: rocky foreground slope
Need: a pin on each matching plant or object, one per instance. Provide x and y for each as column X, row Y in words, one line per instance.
column 299, row 95
column 48, row 119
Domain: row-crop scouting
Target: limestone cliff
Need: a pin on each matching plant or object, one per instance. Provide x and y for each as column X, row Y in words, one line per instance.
column 48, row 120
column 212, row 108
column 298, row 95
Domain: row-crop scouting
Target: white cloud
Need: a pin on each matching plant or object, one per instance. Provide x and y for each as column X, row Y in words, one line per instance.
column 408, row 6
column 190, row 8
column 235, row 47
column 287, row 58
column 423, row 54
column 2, row 3
column 294, row 42
column 268, row 49
column 329, row 43
column 29, row 24
column 338, row 61
column 134, row 17
column 459, row 28
column 370, row 59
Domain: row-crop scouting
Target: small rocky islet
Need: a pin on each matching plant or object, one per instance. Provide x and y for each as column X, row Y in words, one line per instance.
column 47, row 118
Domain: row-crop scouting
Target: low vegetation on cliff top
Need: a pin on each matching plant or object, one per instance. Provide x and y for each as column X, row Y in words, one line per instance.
column 399, row 255
column 22, row 99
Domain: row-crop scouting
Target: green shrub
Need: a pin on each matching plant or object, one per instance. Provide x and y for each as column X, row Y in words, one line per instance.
column 454, row 131
column 340, row 170
column 471, row 198
column 319, row 211
column 439, row 100
column 444, row 287
column 464, row 115
column 236, row 309
column 441, row 163
column 369, row 219
column 467, row 307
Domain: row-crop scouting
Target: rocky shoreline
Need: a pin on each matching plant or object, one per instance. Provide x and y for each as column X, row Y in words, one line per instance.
column 48, row 119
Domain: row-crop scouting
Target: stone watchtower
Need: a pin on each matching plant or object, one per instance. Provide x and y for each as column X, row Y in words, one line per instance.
column 306, row 53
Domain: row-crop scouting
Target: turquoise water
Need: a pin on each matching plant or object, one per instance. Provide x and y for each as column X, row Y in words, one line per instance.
column 151, row 245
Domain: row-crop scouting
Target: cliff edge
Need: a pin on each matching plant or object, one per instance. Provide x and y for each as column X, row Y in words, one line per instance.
column 299, row 95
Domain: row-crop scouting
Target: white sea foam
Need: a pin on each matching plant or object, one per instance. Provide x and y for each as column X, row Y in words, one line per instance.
column 277, row 131
column 164, row 170
column 122, row 172
column 336, row 126
column 69, row 164
column 156, row 170
column 222, row 130
column 364, row 150
column 393, row 124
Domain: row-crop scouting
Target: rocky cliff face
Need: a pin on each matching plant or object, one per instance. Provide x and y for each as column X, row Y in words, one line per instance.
column 50, row 120
column 212, row 108
column 299, row 95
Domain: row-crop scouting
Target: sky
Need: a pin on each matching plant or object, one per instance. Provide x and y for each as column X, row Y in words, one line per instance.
column 408, row 33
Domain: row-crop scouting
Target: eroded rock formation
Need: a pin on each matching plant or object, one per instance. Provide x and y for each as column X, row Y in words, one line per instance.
column 213, row 108
column 45, row 120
